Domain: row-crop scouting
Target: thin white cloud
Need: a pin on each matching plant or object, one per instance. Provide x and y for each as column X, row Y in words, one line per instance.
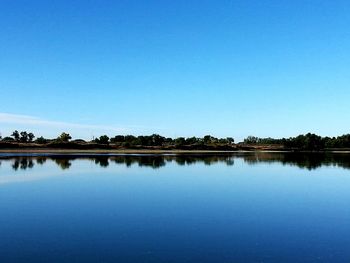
column 8, row 118
column 51, row 128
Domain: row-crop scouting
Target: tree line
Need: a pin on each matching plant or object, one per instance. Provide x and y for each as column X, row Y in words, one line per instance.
column 121, row 140
column 307, row 141
column 28, row 137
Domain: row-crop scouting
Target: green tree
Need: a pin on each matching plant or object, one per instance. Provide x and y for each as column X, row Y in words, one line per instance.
column 230, row 140
column 64, row 137
column 180, row 141
column 157, row 140
column 191, row 140
column 41, row 140
column 104, row 139
column 15, row 135
column 130, row 140
column 31, row 136
column 251, row 140
column 118, row 139
column 24, row 136
column 208, row 139
column 8, row 139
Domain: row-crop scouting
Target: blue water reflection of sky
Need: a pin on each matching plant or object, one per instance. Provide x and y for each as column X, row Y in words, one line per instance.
column 193, row 213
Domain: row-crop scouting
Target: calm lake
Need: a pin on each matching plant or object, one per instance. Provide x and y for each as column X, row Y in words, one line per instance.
column 243, row 207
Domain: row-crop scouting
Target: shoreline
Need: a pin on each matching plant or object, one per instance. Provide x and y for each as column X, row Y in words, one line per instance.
column 153, row 151
column 112, row 151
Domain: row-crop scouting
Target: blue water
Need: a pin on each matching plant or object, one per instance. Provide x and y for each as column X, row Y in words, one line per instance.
column 239, row 208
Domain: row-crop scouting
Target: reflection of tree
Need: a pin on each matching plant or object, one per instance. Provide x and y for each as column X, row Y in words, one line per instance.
column 30, row 163
column 152, row 161
column 102, row 161
column 308, row 161
column 127, row 160
column 22, row 163
column 206, row 159
column 15, row 165
column 157, row 161
column 40, row 160
column 230, row 162
column 63, row 163
column 303, row 160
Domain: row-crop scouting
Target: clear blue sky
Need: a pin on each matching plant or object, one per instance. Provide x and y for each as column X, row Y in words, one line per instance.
column 178, row 68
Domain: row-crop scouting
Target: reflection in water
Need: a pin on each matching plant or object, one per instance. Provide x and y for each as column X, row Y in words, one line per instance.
column 22, row 163
column 102, row 161
column 41, row 160
column 308, row 161
column 64, row 163
column 246, row 207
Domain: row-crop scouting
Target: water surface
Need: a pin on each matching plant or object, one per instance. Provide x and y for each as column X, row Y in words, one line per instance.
column 245, row 207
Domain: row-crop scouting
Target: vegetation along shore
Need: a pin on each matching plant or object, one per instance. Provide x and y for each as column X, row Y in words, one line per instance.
column 27, row 141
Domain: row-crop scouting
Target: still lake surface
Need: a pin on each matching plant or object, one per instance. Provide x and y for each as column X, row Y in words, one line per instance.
column 243, row 207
